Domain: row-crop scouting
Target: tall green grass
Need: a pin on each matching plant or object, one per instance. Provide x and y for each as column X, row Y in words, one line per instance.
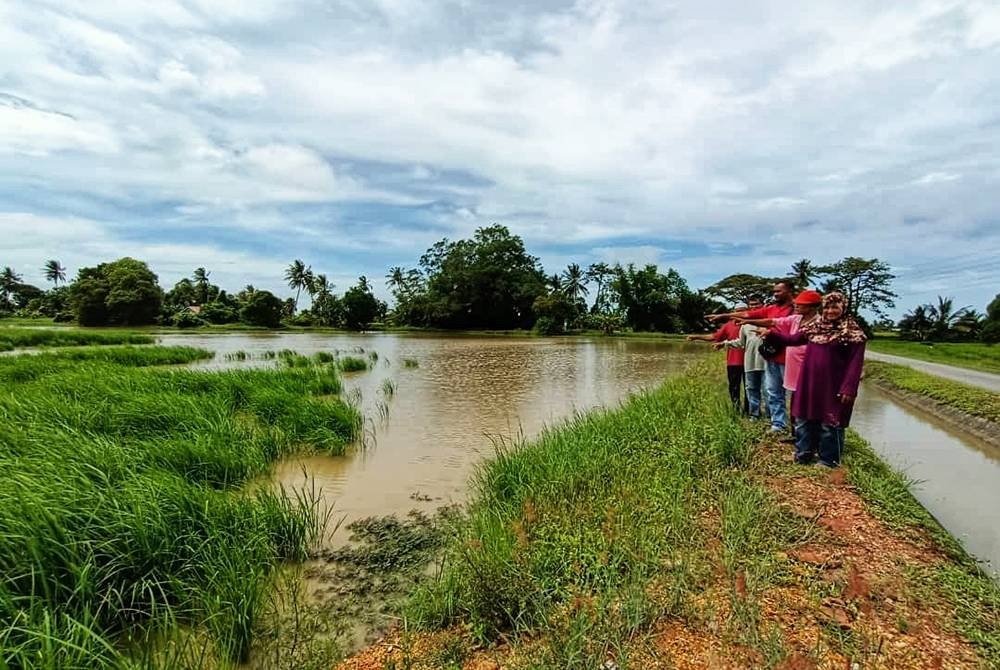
column 591, row 514
column 119, row 514
column 13, row 338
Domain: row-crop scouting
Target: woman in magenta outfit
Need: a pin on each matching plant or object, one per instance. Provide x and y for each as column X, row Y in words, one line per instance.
column 828, row 381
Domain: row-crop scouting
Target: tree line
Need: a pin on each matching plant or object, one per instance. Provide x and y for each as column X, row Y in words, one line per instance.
column 487, row 282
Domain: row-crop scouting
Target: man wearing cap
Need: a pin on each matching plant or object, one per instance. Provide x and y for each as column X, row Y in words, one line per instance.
column 807, row 304
column 774, row 374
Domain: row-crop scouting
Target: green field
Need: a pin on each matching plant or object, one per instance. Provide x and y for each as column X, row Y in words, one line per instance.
column 964, row 397
column 972, row 355
column 123, row 519
column 17, row 338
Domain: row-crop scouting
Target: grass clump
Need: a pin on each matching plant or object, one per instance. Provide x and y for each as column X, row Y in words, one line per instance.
column 585, row 519
column 972, row 400
column 16, row 338
column 119, row 517
column 411, row 363
column 352, row 364
column 972, row 355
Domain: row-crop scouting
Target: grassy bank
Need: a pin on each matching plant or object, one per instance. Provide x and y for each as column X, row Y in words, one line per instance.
column 971, row 355
column 971, row 400
column 17, row 338
column 669, row 533
column 121, row 518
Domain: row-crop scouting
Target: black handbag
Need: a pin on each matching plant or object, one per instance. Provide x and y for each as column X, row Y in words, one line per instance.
column 771, row 347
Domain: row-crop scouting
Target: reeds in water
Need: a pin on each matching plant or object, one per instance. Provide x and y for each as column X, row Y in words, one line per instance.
column 117, row 511
column 352, row 364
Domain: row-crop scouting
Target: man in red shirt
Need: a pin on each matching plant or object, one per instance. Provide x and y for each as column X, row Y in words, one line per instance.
column 774, row 374
column 734, row 361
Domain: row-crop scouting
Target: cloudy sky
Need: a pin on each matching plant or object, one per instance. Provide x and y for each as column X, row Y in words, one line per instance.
column 713, row 137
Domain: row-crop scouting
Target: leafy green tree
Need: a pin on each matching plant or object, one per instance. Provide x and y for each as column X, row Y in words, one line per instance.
column 600, row 274
column 124, row 292
column 867, row 284
column 737, row 289
column 299, row 277
column 649, row 299
column 181, row 296
column 487, row 282
column 552, row 313
column 360, row 306
column 54, row 272
column 261, row 308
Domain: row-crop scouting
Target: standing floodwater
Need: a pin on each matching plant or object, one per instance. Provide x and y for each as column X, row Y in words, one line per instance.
column 464, row 392
column 446, row 412
column 957, row 476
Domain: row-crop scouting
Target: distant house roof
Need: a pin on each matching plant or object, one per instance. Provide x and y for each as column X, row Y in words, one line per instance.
column 194, row 308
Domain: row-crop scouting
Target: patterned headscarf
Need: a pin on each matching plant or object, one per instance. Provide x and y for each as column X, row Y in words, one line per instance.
column 844, row 330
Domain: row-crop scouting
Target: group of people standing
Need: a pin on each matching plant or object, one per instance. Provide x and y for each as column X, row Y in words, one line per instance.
column 805, row 345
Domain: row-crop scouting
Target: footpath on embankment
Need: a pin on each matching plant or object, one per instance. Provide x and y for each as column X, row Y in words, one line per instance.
column 670, row 533
column 986, row 380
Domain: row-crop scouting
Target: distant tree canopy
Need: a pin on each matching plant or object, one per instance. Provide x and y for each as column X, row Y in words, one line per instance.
column 991, row 324
column 867, row 284
column 737, row 289
column 488, row 282
column 262, row 308
column 121, row 293
column 360, row 307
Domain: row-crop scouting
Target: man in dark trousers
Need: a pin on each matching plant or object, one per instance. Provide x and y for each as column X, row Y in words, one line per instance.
column 734, row 359
column 774, row 374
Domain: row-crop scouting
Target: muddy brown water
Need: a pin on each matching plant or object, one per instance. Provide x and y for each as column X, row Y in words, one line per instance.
column 467, row 392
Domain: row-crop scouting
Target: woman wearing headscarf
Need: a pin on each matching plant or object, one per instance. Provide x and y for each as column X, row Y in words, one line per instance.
column 829, row 378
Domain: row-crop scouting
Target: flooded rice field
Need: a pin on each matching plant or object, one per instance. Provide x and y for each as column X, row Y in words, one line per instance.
column 438, row 405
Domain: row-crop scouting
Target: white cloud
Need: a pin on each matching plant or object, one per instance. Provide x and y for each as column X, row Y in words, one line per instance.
column 602, row 124
column 26, row 130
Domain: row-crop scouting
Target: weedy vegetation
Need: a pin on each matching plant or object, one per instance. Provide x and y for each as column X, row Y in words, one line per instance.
column 352, row 364
column 123, row 526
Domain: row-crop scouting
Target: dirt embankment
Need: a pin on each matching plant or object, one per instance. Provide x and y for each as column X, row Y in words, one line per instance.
column 855, row 592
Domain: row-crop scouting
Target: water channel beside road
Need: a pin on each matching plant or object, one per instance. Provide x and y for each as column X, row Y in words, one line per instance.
column 468, row 392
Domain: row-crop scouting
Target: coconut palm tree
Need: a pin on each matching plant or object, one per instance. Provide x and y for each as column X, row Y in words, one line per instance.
column 802, row 272
column 574, row 283
column 8, row 284
column 944, row 317
column 55, row 272
column 299, row 276
column 321, row 286
column 555, row 282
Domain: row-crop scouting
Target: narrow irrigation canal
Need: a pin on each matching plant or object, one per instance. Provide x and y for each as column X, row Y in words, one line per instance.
column 436, row 406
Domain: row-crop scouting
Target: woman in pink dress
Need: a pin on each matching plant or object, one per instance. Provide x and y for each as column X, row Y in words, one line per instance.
column 829, row 378
column 807, row 305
